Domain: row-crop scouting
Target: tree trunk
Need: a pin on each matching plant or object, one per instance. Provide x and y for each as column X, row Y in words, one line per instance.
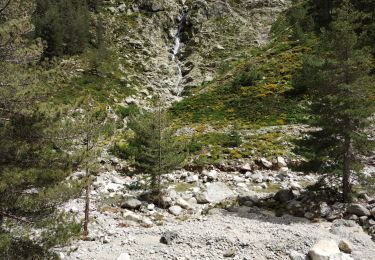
column 346, row 186
column 87, row 211
column 87, row 197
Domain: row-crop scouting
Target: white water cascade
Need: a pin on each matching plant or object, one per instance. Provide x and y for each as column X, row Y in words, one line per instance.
column 176, row 49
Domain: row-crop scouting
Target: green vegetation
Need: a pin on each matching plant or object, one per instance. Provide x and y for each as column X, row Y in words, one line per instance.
column 157, row 152
column 252, row 92
column 341, row 89
column 63, row 24
column 33, row 163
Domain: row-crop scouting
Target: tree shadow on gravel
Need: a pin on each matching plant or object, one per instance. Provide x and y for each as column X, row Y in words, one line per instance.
column 263, row 215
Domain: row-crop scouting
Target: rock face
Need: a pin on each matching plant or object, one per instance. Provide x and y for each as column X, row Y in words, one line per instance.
column 143, row 34
column 215, row 193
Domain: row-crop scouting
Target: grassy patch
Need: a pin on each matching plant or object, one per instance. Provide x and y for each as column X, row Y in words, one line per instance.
column 183, row 187
column 252, row 91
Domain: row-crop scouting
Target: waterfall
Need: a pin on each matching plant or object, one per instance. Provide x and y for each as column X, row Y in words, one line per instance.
column 176, row 49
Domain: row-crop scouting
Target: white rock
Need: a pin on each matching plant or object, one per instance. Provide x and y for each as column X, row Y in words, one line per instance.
column 213, row 174
column 192, row 201
column 130, row 100
column 192, row 178
column 284, row 170
column 246, row 167
column 195, row 190
column 122, row 8
column 324, row 250
column 281, row 162
column 248, row 175
column 129, row 215
column 215, row 193
column 124, row 256
column 151, row 207
column 117, row 180
column 295, row 185
column 183, row 203
column 106, row 240
column 238, row 179
column 266, row 163
column 294, row 255
column 175, row 210
column 147, row 221
column 241, row 185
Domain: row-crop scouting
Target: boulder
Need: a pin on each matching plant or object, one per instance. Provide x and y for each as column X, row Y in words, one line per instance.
column 124, row 256
column 257, row 177
column 294, row 255
column 192, row 178
column 327, row 250
column 129, row 215
column 215, row 193
column 147, row 222
column 284, row 170
column 168, row 237
column 238, row 179
column 358, row 210
column 284, row 196
column 175, row 210
column 211, row 175
column 295, row 186
column 231, row 252
column 267, row 164
column 281, row 162
column 246, row 167
column 183, row 203
column 132, row 204
column 373, row 212
column 345, row 246
column 122, row 8
column 324, row 209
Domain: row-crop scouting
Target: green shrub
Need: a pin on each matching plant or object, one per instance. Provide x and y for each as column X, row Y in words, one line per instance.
column 124, row 112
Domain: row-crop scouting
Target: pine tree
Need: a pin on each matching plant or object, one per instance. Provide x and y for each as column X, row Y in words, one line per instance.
column 341, row 91
column 63, row 24
column 87, row 128
column 157, row 150
column 33, row 169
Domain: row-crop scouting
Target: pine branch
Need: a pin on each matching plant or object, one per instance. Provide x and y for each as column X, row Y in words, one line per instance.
column 5, row 6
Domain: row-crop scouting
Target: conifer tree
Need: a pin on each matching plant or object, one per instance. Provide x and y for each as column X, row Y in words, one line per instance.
column 341, row 91
column 87, row 127
column 33, row 169
column 63, row 24
column 157, row 150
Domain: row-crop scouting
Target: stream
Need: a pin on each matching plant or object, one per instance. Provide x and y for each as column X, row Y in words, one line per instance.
column 176, row 49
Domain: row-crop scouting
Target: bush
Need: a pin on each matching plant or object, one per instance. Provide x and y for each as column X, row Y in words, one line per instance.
column 248, row 77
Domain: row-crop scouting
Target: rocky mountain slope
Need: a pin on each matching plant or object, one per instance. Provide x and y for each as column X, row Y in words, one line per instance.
column 171, row 45
column 175, row 49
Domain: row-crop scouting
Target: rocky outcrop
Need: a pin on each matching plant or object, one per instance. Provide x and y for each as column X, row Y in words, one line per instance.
column 143, row 36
